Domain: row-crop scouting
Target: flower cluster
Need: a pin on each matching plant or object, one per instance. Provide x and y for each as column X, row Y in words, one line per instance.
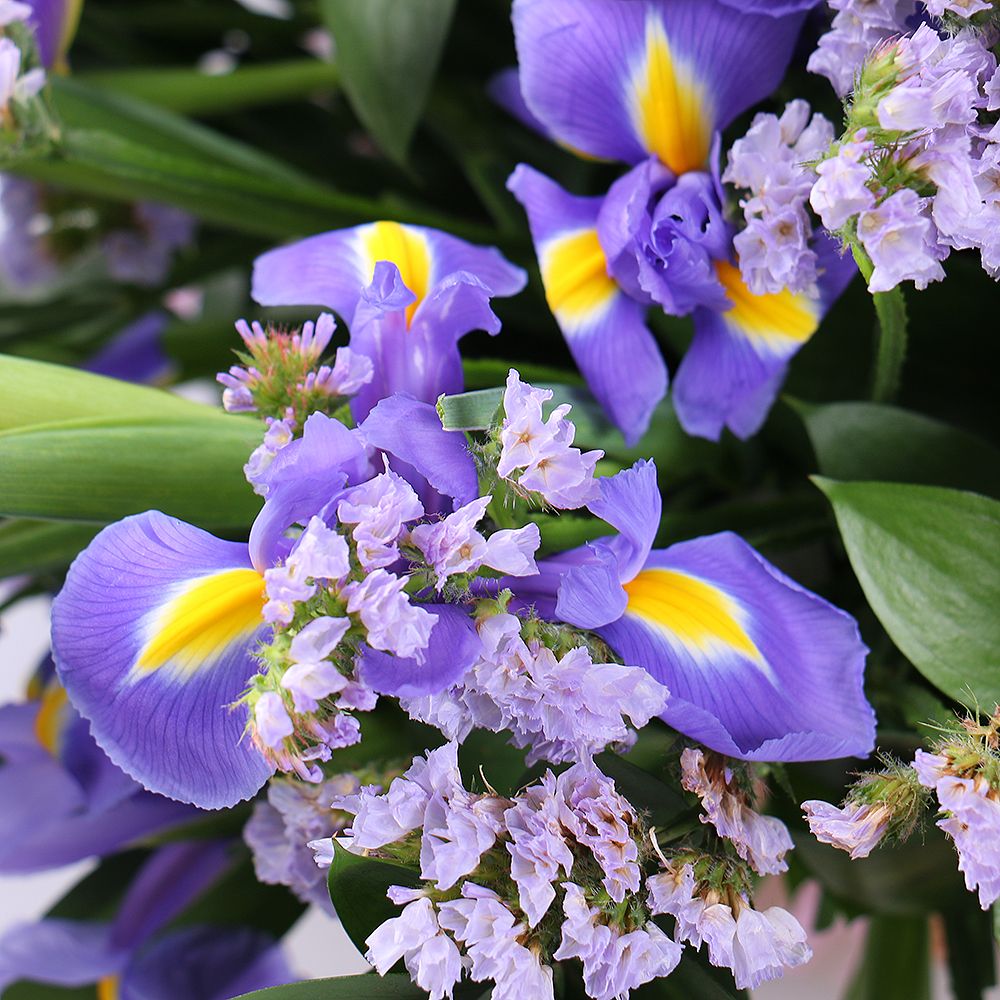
column 17, row 85
column 773, row 164
column 556, row 873
column 142, row 252
column 914, row 175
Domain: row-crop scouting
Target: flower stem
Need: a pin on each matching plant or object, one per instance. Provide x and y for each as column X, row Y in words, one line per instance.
column 890, row 348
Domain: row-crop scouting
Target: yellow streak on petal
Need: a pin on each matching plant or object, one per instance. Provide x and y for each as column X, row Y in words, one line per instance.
column 698, row 614
column 48, row 722
column 575, row 275
column 670, row 108
column 107, row 988
column 404, row 247
column 771, row 319
column 197, row 625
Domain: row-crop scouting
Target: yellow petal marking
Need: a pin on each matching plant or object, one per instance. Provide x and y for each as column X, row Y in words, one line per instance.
column 107, row 988
column 194, row 628
column 670, row 108
column 404, row 247
column 575, row 275
column 48, row 722
column 770, row 319
column 695, row 612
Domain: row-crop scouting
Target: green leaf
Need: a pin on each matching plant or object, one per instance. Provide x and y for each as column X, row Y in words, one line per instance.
column 39, row 546
column 896, row 965
column 357, row 889
column 470, row 411
column 969, row 933
column 568, row 531
column 926, row 559
column 388, row 53
column 874, row 442
column 365, row 987
column 691, row 980
column 102, row 470
column 663, row 805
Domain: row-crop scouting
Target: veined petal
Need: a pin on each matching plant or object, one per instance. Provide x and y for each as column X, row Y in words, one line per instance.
column 153, row 635
column 758, row 668
column 604, row 329
column 623, row 79
column 333, row 269
column 736, row 363
column 55, row 24
column 630, row 502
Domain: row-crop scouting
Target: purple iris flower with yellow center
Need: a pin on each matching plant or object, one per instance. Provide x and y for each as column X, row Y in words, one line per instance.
column 757, row 667
column 155, row 629
column 652, row 83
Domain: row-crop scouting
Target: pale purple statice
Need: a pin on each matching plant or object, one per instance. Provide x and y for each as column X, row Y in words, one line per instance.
column 379, row 509
column 272, row 722
column 11, row 11
column 960, row 8
column 15, row 86
column 542, row 449
column 842, row 189
column 672, row 891
column 349, row 372
column 320, row 553
column 453, row 545
column 602, row 820
column 858, row 27
column 490, row 933
column 281, row 827
column 278, row 434
column 312, row 677
column 143, row 254
column 901, row 239
column 430, row 956
column 614, row 963
column 537, row 847
column 762, row 841
column 25, row 260
column 857, row 827
column 972, row 820
column 773, row 164
column 393, row 624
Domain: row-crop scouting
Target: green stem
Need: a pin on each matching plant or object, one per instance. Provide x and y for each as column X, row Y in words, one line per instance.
column 890, row 348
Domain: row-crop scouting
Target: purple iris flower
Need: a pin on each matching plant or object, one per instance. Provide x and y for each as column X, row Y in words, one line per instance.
column 62, row 799
column 652, row 83
column 757, row 667
column 132, row 958
column 55, row 24
column 155, row 628
column 135, row 353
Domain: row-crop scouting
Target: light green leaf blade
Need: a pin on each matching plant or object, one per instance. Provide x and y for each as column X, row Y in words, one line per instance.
column 926, row 558
column 39, row 546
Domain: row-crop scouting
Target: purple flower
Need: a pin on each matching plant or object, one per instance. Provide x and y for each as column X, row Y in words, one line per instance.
column 393, row 623
column 15, row 86
column 272, row 722
column 379, row 509
column 349, row 373
column 842, row 189
column 458, row 829
column 858, row 828
column 901, row 240
column 278, row 434
column 312, row 677
column 12, row 11
column 142, row 254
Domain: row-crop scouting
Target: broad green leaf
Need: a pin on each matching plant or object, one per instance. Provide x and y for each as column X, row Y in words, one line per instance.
column 896, row 964
column 691, row 980
column 357, row 889
column 33, row 392
column 470, row 411
column 388, row 53
column 969, row 933
column 868, row 441
column 561, row 532
column 39, row 546
column 102, row 470
column 365, row 987
column 927, row 560
column 46, row 991
column 192, row 92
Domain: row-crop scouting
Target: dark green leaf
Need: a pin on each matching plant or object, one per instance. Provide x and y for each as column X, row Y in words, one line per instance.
column 567, row 531
column 103, row 470
column 691, row 980
column 969, row 933
column 388, row 53
column 38, row 546
column 926, row 559
column 663, row 804
column 366, row 987
column 357, row 888
column 896, row 964
column 46, row 991
column 96, row 897
column 470, row 411
column 867, row 441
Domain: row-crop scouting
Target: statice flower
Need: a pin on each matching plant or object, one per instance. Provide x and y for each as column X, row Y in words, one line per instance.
column 379, row 509
column 278, row 434
column 25, row 257
column 16, row 85
column 537, row 455
column 393, row 623
column 842, row 190
column 453, row 545
column 11, row 11
column 561, row 708
column 772, row 163
column 143, row 253
column 282, row 826
column 312, row 677
column 762, row 841
column 855, row 828
column 971, row 806
column 961, row 8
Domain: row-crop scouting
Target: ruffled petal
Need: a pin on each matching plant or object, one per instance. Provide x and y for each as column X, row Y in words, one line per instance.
column 591, row 594
column 758, row 668
column 738, row 359
column 453, row 647
column 334, row 268
column 631, row 503
column 153, row 635
column 411, row 431
column 622, row 79
column 604, row 329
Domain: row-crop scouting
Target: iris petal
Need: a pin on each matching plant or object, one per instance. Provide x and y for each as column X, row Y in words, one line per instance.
column 153, row 635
